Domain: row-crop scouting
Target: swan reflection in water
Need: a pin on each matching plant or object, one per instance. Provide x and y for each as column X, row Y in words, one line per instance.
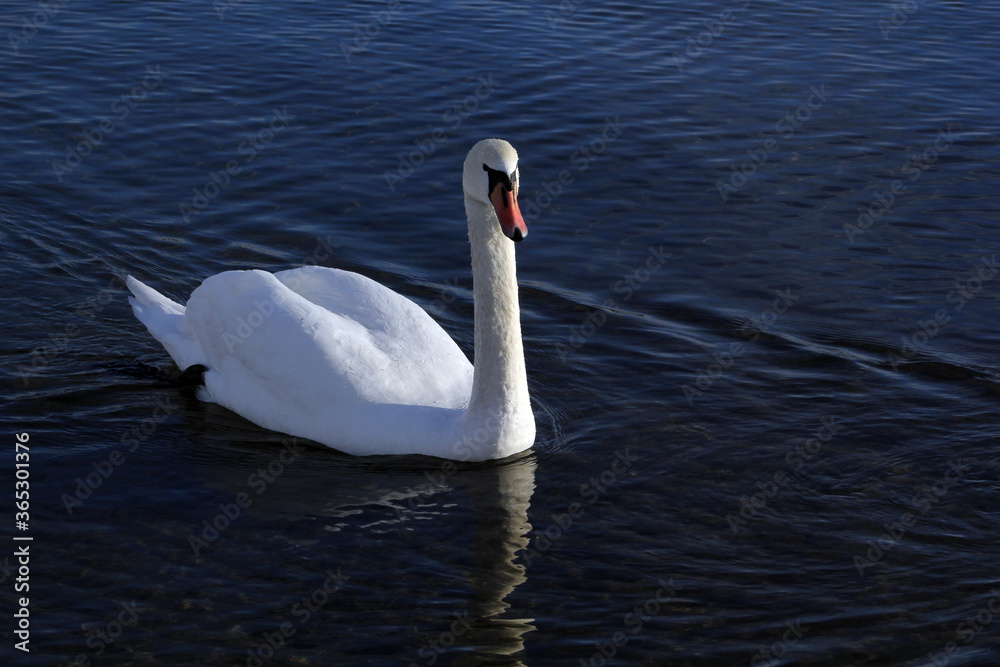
column 406, row 505
column 501, row 495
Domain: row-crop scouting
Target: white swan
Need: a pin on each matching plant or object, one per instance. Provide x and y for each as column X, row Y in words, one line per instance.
column 335, row 357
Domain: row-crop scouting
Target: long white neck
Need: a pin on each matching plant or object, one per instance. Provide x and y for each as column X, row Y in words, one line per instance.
column 500, row 404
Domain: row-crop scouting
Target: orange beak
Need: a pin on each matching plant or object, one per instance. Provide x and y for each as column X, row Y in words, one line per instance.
column 505, row 204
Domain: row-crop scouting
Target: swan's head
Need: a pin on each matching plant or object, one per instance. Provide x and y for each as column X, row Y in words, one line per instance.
column 491, row 178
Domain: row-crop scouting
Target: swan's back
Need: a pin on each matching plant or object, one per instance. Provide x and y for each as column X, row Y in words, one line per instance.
column 334, row 328
column 325, row 354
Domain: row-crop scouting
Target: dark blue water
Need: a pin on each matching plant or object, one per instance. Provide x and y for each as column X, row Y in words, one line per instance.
column 759, row 300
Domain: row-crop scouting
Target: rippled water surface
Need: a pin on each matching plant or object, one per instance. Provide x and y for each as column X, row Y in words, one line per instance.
column 759, row 300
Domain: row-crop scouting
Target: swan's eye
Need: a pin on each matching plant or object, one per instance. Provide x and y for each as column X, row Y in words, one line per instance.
column 496, row 176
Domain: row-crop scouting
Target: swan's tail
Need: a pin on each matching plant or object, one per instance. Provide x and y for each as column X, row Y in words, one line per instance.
column 166, row 320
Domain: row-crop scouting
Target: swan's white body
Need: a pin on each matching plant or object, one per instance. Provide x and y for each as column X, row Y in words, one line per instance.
column 335, row 357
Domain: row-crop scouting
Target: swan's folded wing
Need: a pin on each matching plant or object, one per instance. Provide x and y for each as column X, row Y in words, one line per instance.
column 420, row 351
column 271, row 350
